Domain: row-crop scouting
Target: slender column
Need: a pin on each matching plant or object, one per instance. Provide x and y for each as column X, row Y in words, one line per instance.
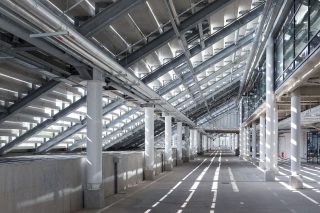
column 196, row 142
column 94, row 194
column 241, row 138
column 179, row 143
column 295, row 178
column 269, row 173
column 191, row 145
column 254, row 142
column 248, row 143
column 149, row 171
column 262, row 142
column 168, row 143
column 275, row 140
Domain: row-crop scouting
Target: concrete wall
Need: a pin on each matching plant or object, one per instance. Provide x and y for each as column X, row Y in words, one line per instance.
column 41, row 185
column 55, row 183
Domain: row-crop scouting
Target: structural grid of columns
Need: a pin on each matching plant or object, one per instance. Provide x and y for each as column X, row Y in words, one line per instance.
column 262, row 149
column 168, row 143
column 149, row 172
column 295, row 178
column 179, row 143
column 269, row 173
column 94, row 194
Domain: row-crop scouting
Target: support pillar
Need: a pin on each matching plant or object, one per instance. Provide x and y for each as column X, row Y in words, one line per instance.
column 179, row 143
column 248, row 143
column 262, row 142
column 196, row 142
column 94, row 194
column 269, row 173
column 275, row 140
column 168, row 145
column 296, row 181
column 254, row 142
column 149, row 172
column 186, row 156
column 191, row 147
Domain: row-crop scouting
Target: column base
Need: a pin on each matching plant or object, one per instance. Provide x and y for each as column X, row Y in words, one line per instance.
column 168, row 167
column 149, row 174
column 262, row 165
column 269, row 176
column 179, row 162
column 93, row 199
column 255, row 161
column 276, row 170
column 186, row 159
column 296, row 181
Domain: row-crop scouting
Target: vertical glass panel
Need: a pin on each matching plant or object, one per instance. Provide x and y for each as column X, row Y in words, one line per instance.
column 288, row 40
column 301, row 32
column 314, row 35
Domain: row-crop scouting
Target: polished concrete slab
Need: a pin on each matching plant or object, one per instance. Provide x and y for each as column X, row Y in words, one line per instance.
column 220, row 182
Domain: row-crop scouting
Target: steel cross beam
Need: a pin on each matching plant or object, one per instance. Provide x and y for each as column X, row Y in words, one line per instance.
column 42, row 126
column 107, row 16
column 241, row 21
column 28, row 100
column 208, row 63
column 183, row 42
column 180, row 95
column 44, row 147
column 170, row 34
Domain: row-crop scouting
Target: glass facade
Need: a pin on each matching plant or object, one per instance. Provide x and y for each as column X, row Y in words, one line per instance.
column 313, row 147
column 298, row 38
column 253, row 99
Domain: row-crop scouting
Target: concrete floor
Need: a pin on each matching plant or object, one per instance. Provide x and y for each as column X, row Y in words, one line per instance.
column 220, row 184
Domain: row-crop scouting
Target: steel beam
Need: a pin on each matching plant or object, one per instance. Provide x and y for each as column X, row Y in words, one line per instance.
column 208, row 63
column 74, row 106
column 120, row 118
column 28, row 100
column 170, row 34
column 101, row 20
column 241, row 21
column 75, row 128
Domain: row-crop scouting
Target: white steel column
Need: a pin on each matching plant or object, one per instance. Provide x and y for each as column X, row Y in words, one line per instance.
column 149, row 172
column 196, row 142
column 254, row 141
column 269, row 173
column 168, row 142
column 295, row 178
column 179, row 143
column 191, row 145
column 275, row 140
column 248, row 142
column 94, row 193
column 262, row 142
column 242, row 142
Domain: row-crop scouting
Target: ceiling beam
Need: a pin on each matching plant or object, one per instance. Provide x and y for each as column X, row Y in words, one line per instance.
column 101, row 20
column 167, row 36
column 28, row 100
column 74, row 106
column 241, row 21
column 44, row 147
